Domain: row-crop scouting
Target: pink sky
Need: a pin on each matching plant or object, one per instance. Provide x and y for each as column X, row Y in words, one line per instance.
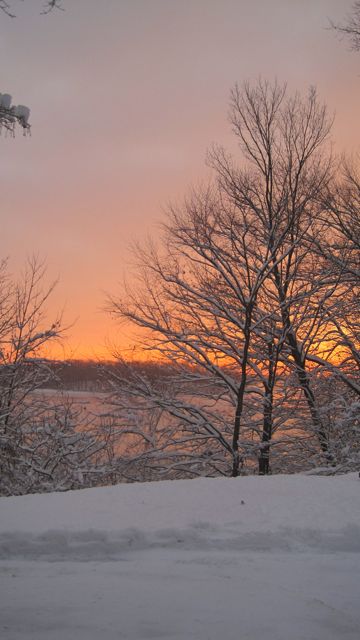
column 125, row 98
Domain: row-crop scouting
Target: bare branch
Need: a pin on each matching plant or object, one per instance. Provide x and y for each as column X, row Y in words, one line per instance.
column 351, row 28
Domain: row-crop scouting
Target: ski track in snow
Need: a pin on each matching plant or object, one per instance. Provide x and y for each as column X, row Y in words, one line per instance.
column 101, row 545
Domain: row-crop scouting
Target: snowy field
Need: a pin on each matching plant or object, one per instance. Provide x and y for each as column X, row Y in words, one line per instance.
column 222, row 559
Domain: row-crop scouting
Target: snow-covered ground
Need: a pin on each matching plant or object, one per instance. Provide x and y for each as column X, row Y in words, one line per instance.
column 209, row 559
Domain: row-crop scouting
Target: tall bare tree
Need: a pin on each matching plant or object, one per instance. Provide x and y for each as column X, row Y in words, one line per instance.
column 236, row 269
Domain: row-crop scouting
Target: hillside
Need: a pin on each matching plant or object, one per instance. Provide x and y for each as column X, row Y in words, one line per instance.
column 247, row 558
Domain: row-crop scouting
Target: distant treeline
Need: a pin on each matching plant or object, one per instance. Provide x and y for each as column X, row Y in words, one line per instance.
column 91, row 375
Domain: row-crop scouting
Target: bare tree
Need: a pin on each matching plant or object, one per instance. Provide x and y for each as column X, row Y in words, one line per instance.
column 283, row 140
column 22, row 368
column 48, row 442
column 236, row 273
column 44, row 442
column 339, row 251
column 351, row 28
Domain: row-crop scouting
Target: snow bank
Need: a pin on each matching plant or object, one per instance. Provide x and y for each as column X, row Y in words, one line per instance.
column 247, row 558
column 232, row 506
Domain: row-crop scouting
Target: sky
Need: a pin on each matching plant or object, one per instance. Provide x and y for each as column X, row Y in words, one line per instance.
column 125, row 97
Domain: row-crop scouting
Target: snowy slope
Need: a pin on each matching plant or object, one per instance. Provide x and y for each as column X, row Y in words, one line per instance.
column 210, row 558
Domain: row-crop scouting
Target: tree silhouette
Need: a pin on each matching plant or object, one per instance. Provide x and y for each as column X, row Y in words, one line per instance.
column 351, row 28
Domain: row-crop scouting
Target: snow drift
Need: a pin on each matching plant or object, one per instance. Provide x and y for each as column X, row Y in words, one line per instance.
column 206, row 558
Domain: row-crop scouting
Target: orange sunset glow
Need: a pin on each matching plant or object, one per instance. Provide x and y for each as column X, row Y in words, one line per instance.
column 125, row 99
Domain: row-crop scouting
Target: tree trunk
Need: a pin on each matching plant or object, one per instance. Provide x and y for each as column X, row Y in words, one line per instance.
column 264, row 456
column 301, row 372
column 240, row 395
